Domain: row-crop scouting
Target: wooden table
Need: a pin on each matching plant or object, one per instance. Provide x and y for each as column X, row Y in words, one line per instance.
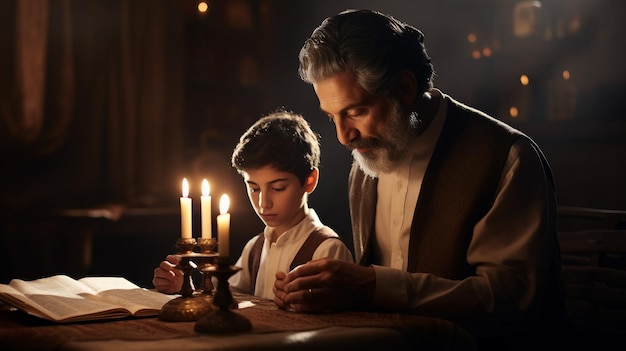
column 272, row 329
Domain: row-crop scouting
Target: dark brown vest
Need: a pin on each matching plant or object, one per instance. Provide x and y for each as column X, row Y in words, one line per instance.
column 304, row 255
column 459, row 187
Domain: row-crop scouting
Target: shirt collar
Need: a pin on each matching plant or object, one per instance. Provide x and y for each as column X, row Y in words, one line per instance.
column 298, row 231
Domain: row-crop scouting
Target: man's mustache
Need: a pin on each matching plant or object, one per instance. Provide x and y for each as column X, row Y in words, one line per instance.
column 366, row 143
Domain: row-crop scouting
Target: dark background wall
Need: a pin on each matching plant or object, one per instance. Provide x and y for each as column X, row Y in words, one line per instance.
column 160, row 92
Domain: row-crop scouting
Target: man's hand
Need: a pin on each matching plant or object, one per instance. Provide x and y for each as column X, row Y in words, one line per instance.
column 325, row 284
column 167, row 278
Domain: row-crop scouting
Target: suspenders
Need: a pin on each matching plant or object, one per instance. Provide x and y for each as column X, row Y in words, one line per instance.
column 304, row 255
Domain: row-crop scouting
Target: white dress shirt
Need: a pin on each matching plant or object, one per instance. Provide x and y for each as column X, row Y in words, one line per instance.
column 277, row 256
column 396, row 200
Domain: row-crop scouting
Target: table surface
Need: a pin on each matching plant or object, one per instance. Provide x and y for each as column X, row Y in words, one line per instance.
column 272, row 329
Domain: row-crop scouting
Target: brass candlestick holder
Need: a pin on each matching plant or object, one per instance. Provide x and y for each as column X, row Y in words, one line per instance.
column 206, row 247
column 222, row 320
column 189, row 306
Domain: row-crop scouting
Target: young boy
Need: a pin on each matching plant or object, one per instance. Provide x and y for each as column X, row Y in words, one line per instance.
column 278, row 158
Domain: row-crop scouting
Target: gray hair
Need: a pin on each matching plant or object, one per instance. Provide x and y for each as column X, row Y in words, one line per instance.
column 373, row 45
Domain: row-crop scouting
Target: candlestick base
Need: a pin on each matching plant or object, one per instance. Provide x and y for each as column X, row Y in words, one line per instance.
column 189, row 307
column 186, row 308
column 222, row 320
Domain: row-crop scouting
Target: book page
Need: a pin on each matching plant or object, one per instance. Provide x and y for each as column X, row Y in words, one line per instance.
column 57, row 285
column 140, row 302
column 17, row 299
column 121, row 292
column 61, row 298
column 60, row 307
column 98, row 284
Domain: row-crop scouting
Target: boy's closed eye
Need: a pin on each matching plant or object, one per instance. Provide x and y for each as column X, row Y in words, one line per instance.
column 275, row 188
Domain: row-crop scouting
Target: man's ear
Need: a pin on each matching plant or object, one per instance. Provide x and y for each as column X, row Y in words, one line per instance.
column 311, row 180
column 408, row 87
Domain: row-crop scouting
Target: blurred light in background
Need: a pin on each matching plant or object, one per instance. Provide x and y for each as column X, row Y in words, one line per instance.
column 524, row 79
column 203, row 7
column 566, row 74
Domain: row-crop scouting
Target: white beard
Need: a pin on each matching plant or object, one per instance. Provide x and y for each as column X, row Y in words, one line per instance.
column 393, row 145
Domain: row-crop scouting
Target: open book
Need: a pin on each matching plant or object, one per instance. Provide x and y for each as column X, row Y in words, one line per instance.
column 60, row 298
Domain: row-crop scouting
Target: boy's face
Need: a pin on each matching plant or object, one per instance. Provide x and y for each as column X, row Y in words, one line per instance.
column 277, row 197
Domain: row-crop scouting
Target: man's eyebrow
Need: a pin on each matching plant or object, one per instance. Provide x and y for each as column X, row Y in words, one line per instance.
column 343, row 110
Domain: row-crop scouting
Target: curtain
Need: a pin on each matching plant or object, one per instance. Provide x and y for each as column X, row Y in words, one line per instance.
column 91, row 102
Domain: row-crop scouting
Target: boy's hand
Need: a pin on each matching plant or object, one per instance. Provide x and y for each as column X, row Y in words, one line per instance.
column 167, row 278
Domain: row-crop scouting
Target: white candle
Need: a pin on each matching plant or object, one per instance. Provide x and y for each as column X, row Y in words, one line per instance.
column 205, row 203
column 223, row 227
column 185, row 212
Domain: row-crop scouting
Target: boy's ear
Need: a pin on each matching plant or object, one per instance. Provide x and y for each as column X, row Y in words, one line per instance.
column 311, row 180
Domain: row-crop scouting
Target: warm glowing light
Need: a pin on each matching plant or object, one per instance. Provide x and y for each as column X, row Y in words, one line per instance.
column 206, row 189
column 224, row 204
column 574, row 25
column 203, row 7
column 471, row 38
column 513, row 111
column 185, row 187
column 476, row 54
column 566, row 75
column 205, row 203
column 223, row 227
column 486, row 52
column 524, row 79
column 185, row 212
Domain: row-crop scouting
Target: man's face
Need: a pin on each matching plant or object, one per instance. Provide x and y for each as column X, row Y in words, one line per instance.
column 375, row 128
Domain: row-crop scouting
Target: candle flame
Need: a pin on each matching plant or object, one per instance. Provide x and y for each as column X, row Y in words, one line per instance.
column 185, row 187
column 224, row 203
column 206, row 189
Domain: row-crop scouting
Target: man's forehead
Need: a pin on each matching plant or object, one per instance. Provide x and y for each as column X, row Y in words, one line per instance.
column 340, row 92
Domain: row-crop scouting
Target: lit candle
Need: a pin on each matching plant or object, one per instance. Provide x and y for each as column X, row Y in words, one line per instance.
column 223, row 226
column 185, row 211
column 205, row 202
